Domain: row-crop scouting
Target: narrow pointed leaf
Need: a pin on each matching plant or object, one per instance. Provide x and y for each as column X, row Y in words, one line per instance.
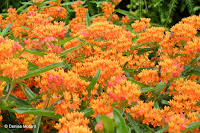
column 98, row 118
column 195, row 72
column 140, row 45
column 37, row 124
column 127, row 13
column 65, row 40
column 87, row 112
column 163, row 129
column 93, row 82
column 107, row 124
column 19, row 102
column 34, row 111
column 35, row 52
column 134, row 124
column 120, row 122
column 136, row 82
column 192, row 126
column 6, row 29
column 5, row 79
column 198, row 115
column 29, row 92
column 87, row 19
column 43, row 69
column 71, row 49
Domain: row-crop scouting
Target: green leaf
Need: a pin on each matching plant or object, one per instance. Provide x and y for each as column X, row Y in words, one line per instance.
column 87, row 19
column 5, row 130
column 107, row 124
column 32, row 66
column 163, row 129
column 24, row 27
column 134, row 124
column 34, row 111
column 37, row 124
column 65, row 40
column 5, row 79
column 91, row 44
column 29, row 92
column 68, row 3
column 195, row 72
column 156, row 105
column 192, row 126
column 43, row 69
column 143, row 50
column 87, row 112
column 140, row 45
column 19, row 102
column 98, row 118
column 47, row 2
column 6, row 29
column 165, row 102
column 136, row 82
column 93, row 82
column 120, row 122
column 97, row 2
column 127, row 13
column 198, row 115
column 35, row 52
column 71, row 49
column 27, row 3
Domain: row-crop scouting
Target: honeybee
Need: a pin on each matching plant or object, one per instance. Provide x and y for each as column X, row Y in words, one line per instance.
column 170, row 35
column 58, row 101
column 38, row 101
column 143, row 29
column 159, row 71
column 59, row 10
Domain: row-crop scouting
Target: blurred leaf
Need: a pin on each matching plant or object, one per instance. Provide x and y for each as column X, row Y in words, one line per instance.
column 68, row 3
column 127, row 13
column 134, row 124
column 27, row 3
column 6, row 29
column 107, row 124
column 93, row 82
column 65, row 40
column 192, row 126
column 97, row 2
column 29, row 92
column 47, row 2
column 71, row 49
column 163, row 129
column 195, row 72
column 19, row 102
column 198, row 115
column 136, row 82
column 32, row 66
column 143, row 50
column 140, row 45
column 34, row 111
column 120, row 122
column 35, row 52
column 165, row 102
column 87, row 19
column 5, row 79
column 43, row 69
column 24, row 27
column 37, row 124
column 5, row 130
column 87, row 112
column 156, row 105
column 98, row 118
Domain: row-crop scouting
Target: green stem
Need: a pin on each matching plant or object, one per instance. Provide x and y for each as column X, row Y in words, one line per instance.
column 150, row 129
column 9, row 92
column 46, row 101
column 22, row 88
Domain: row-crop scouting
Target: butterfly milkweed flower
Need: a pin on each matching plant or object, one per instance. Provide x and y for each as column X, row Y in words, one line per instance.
column 101, row 105
column 138, row 26
column 107, row 9
column 73, row 122
column 145, row 113
column 14, row 68
column 122, row 90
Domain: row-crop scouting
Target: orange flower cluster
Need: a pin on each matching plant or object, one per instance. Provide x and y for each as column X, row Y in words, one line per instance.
column 149, row 77
column 101, row 105
column 170, row 70
column 107, row 9
column 55, row 12
column 145, row 113
column 192, row 20
column 122, row 90
column 139, row 26
column 41, row 32
column 186, row 96
column 108, row 68
column 78, row 23
column 154, row 34
column 37, row 1
column 2, row 86
column 73, row 122
column 125, row 20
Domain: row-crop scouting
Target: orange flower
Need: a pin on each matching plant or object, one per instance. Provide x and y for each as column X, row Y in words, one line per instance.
column 73, row 122
column 107, row 9
column 149, row 77
column 120, row 89
column 101, row 105
column 139, row 26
